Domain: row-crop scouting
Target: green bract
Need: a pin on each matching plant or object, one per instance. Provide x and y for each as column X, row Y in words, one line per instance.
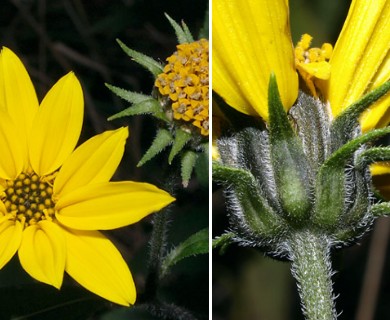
column 304, row 173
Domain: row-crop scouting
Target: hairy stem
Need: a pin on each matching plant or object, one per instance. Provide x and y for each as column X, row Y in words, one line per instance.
column 156, row 252
column 158, row 241
column 311, row 267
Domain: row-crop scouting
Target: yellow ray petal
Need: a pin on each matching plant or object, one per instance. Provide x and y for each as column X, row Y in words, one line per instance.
column 320, row 70
column 251, row 39
column 383, row 73
column 56, row 128
column 94, row 161
column 13, row 157
column 378, row 116
column 380, row 168
column 17, row 93
column 95, row 263
column 10, row 239
column 364, row 44
column 381, row 177
column 110, row 205
column 43, row 251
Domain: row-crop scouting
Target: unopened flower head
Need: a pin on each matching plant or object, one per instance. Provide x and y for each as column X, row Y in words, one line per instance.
column 185, row 81
column 54, row 199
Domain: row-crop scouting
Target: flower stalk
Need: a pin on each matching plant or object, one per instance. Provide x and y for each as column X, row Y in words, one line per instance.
column 311, row 267
column 302, row 186
column 157, row 252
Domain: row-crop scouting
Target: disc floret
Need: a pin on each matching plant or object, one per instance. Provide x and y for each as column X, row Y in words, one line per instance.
column 185, row 81
column 312, row 63
column 29, row 198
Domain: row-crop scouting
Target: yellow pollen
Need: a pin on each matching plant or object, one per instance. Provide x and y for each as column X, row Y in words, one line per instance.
column 185, row 81
column 312, row 63
column 29, row 198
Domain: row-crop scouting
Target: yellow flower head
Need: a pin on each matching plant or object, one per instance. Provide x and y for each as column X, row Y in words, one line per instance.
column 53, row 199
column 251, row 40
column 185, row 81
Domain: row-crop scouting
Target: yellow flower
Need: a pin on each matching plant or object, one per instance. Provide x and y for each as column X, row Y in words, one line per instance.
column 251, row 39
column 55, row 198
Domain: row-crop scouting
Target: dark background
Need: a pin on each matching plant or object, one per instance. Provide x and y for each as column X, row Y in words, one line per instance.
column 55, row 37
column 249, row 286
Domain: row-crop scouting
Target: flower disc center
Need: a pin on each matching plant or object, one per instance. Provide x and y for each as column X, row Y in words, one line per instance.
column 29, row 197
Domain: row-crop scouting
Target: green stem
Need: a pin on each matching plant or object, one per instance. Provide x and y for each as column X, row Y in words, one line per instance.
column 157, row 250
column 158, row 242
column 311, row 267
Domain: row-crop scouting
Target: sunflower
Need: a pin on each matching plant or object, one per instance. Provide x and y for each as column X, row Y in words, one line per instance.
column 54, row 199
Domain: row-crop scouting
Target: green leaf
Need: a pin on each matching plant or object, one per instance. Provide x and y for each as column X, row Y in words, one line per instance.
column 150, row 106
column 197, row 243
column 162, row 140
column 381, row 209
column 130, row 96
column 205, row 148
column 346, row 151
column 202, row 166
column 347, row 120
column 357, row 215
column 223, row 241
column 372, row 155
column 147, row 62
column 187, row 32
column 309, row 115
column 181, row 138
column 330, row 193
column 354, row 111
column 288, row 159
column 330, row 184
column 187, row 166
column 279, row 125
column 253, row 209
column 183, row 34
